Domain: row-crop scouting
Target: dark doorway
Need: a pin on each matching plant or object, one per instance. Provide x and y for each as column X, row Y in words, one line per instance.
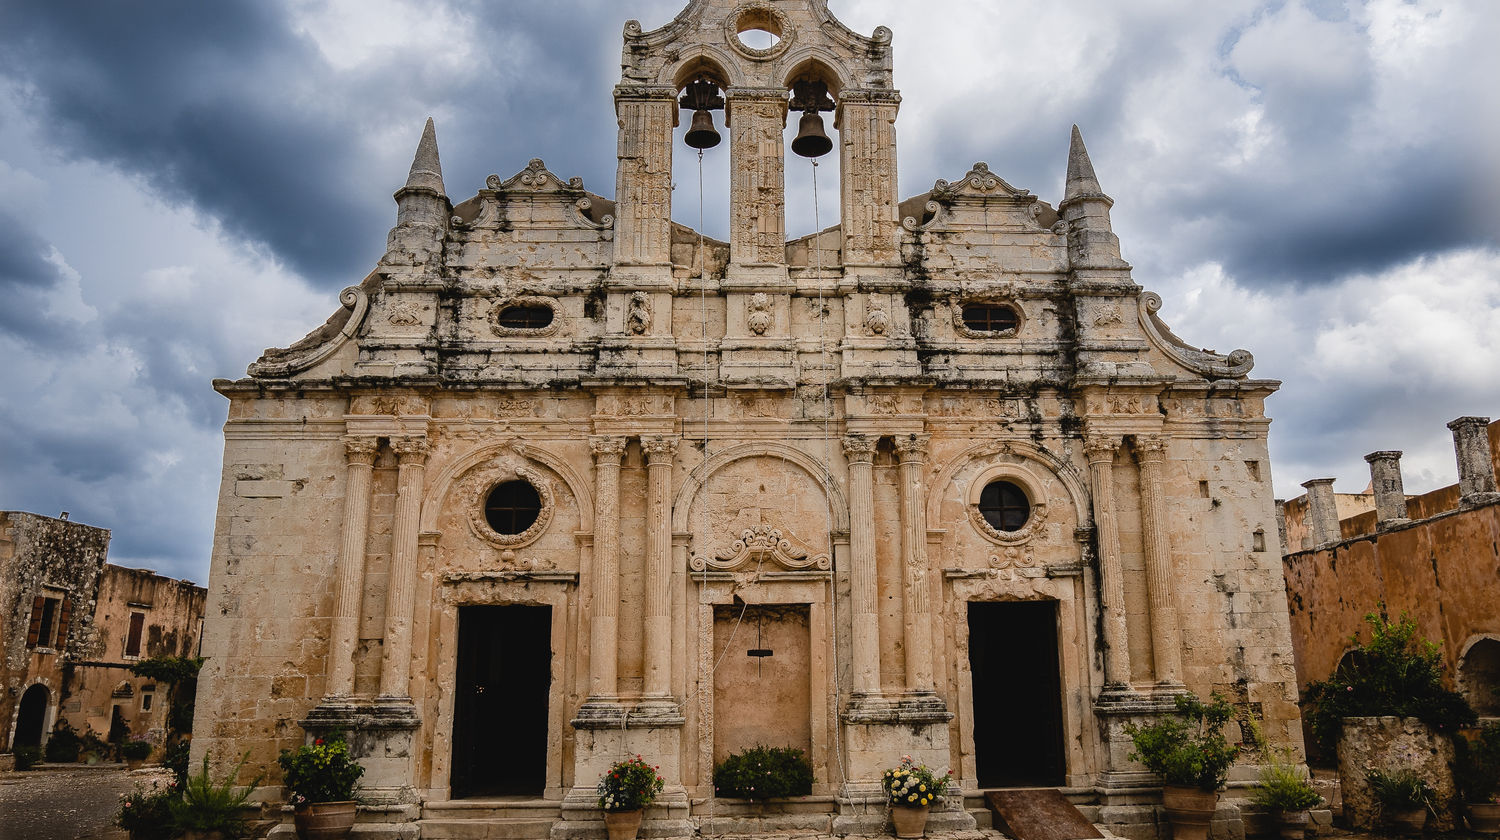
column 31, row 717
column 1018, row 732
column 500, row 701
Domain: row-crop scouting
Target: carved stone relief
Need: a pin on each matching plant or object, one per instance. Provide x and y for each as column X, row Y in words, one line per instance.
column 761, row 545
column 638, row 316
column 759, row 318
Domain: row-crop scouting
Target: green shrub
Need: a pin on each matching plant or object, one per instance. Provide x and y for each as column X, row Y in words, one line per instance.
column 1188, row 749
column 320, row 772
column 1478, row 770
column 64, row 744
column 1285, row 787
column 1400, row 790
column 1396, row 673
column 136, row 750
column 206, row 805
column 147, row 814
column 629, row 785
column 175, row 758
column 28, row 757
column 764, row 773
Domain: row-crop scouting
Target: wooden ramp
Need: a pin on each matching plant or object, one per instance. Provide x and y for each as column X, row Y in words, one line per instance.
column 1038, row 814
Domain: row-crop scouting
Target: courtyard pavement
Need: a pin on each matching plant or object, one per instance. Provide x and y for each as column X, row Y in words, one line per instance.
column 66, row 801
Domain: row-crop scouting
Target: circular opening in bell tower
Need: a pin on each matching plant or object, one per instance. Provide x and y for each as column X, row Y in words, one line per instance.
column 758, row 29
column 512, row 507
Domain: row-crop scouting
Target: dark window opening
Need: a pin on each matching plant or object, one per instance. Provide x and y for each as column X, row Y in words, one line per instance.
column 146, row 702
column 44, row 623
column 525, row 317
column 133, row 641
column 990, row 317
column 512, row 507
column 1004, row 505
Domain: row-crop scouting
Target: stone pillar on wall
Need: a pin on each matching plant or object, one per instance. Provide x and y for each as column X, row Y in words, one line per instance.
column 1390, row 495
column 912, row 450
column 359, row 452
column 757, row 189
column 1166, row 641
column 1100, row 450
column 395, row 669
column 1476, row 470
column 867, row 163
column 604, row 612
column 865, row 644
column 1320, row 521
column 658, row 702
column 643, row 180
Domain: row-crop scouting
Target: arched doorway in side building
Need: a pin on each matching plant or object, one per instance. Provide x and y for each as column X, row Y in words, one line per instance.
column 31, row 718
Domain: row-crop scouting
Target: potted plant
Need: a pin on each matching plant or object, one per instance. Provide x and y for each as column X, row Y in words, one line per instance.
column 1285, row 790
column 1404, row 798
column 624, row 792
column 28, row 757
column 911, row 790
column 147, row 812
column 135, row 751
column 209, row 810
column 1190, row 754
column 762, row 773
column 320, row 779
column 1479, row 777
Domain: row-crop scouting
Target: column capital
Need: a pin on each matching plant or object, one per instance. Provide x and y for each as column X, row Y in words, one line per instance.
column 912, row 448
column 607, row 447
column 361, row 449
column 659, row 449
column 859, row 449
column 1467, row 423
column 1100, row 447
column 1383, row 455
column 1150, row 448
column 410, row 450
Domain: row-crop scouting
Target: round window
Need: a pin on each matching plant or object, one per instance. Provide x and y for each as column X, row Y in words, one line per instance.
column 524, row 317
column 1004, row 505
column 990, row 317
column 512, row 507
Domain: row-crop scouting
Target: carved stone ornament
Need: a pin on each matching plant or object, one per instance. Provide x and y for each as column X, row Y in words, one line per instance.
column 759, row 318
column 403, row 313
column 979, row 181
column 314, row 348
column 859, row 448
column 997, row 297
column 1205, row 363
column 638, row 316
column 1013, row 557
column 1019, row 536
column 478, row 486
column 534, row 177
column 758, row 15
column 524, row 332
column 759, row 546
column 877, row 321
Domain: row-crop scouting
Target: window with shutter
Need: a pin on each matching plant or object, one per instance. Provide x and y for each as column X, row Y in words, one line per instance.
column 133, row 641
column 34, row 632
column 64, row 615
column 47, row 629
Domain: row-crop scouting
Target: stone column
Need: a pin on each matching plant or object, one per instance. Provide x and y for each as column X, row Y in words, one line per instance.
column 660, row 451
column 1476, row 470
column 395, row 669
column 865, row 644
column 912, row 450
column 1390, row 495
column 1166, row 642
column 1321, row 519
column 643, row 181
column 867, row 163
column 1100, row 450
column 757, row 188
column 604, row 626
column 348, row 598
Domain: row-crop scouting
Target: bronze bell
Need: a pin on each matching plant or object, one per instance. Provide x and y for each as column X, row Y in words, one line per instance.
column 811, row 141
column 702, row 134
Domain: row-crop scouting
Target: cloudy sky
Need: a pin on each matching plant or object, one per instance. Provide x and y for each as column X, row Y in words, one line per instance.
column 185, row 183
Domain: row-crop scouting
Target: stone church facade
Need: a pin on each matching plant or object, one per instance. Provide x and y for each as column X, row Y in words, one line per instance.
column 564, row 481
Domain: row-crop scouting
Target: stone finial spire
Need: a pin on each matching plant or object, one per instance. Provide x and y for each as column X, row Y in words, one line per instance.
column 426, row 169
column 1081, row 183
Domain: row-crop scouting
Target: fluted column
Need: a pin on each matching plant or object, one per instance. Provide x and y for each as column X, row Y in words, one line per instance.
column 395, row 670
column 860, row 450
column 1166, row 642
column 660, row 451
column 757, row 190
column 643, row 183
column 604, row 626
column 359, row 453
column 1101, row 454
column 912, row 450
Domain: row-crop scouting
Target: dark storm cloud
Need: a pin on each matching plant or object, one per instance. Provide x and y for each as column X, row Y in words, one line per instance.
column 26, row 278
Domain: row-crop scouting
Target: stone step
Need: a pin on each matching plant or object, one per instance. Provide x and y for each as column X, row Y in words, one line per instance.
column 500, row 808
column 485, row 828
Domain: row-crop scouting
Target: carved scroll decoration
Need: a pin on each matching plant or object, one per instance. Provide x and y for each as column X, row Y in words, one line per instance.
column 1205, row 363
column 757, row 546
column 278, row 363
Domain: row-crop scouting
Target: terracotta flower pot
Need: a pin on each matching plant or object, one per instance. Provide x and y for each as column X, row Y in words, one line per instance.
column 1484, row 817
column 1293, row 824
column 1408, row 821
column 623, row 825
column 134, row 763
column 1190, row 811
column 324, row 820
column 909, row 821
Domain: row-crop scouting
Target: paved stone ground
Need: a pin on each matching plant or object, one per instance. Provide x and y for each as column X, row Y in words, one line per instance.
column 65, row 801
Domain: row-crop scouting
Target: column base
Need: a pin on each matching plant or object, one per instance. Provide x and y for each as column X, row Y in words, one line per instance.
column 600, row 713
column 382, row 735
column 653, row 712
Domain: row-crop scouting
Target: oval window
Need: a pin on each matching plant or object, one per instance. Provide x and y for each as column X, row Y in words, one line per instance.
column 990, row 317
column 524, row 317
column 1004, row 505
column 512, row 507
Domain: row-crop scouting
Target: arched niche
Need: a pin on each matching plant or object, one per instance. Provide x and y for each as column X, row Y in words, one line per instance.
column 468, row 542
column 757, row 484
column 816, row 64
column 703, row 61
column 1479, row 674
column 441, row 485
column 1030, row 465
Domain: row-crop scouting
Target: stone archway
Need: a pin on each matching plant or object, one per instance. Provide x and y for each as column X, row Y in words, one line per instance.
column 1479, row 676
column 31, row 718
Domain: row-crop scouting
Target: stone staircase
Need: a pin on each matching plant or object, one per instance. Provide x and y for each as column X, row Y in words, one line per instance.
column 503, row 818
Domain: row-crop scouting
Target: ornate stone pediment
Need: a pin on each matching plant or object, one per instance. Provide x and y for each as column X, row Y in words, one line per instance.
column 534, row 178
column 761, row 545
column 979, row 182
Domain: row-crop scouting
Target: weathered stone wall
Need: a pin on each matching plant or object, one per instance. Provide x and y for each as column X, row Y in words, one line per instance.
column 1388, row 744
